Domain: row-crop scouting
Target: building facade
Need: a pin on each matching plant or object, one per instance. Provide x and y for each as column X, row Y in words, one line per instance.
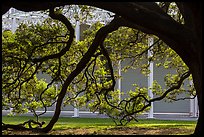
column 129, row 78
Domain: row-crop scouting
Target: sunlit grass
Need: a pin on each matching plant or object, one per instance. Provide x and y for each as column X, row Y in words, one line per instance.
column 98, row 124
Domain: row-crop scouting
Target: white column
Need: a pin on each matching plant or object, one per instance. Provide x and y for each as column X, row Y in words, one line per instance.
column 119, row 79
column 56, row 95
column 150, row 78
column 196, row 107
column 77, row 34
column 11, row 109
column 192, row 108
column 13, row 25
column 77, row 30
column 13, row 28
column 193, row 104
column 76, row 110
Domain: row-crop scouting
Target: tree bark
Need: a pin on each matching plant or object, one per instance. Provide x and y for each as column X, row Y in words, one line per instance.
column 99, row 38
column 186, row 39
column 196, row 70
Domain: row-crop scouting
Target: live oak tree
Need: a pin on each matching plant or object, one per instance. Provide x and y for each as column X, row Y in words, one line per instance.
column 22, row 93
column 183, row 36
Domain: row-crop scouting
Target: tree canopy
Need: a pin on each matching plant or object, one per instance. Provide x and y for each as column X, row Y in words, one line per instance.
column 45, row 51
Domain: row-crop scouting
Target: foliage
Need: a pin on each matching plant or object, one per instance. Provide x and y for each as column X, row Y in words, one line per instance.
column 22, row 90
column 26, row 53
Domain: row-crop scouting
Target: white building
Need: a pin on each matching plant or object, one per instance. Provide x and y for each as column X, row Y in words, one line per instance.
column 186, row 107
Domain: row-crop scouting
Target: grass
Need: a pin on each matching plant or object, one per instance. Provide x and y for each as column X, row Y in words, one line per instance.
column 107, row 126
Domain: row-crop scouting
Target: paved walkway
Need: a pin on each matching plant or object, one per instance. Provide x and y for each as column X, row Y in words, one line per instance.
column 86, row 114
column 171, row 116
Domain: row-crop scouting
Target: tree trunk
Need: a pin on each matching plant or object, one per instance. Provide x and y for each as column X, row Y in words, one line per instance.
column 174, row 34
column 197, row 79
column 99, row 38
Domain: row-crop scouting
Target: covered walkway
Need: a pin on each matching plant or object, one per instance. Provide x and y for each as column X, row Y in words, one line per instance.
column 86, row 114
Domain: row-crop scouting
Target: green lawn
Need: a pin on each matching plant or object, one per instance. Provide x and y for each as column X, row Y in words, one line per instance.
column 106, row 123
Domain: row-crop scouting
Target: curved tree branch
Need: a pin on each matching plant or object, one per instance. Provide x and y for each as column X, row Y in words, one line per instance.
column 65, row 21
column 188, row 46
column 99, row 38
column 148, row 102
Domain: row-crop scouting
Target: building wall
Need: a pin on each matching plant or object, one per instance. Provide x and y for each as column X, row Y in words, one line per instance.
column 134, row 76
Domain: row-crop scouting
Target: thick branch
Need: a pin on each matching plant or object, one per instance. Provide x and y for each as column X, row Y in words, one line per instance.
column 22, row 126
column 146, row 16
column 147, row 102
column 65, row 21
column 99, row 38
column 177, row 86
